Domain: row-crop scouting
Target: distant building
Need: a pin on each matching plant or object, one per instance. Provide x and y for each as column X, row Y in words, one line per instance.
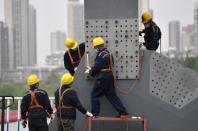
column 75, row 18
column 4, row 48
column 196, row 24
column 20, row 75
column 32, row 37
column 58, row 49
column 188, row 46
column 58, row 42
column 174, row 35
column 20, row 18
column 55, row 60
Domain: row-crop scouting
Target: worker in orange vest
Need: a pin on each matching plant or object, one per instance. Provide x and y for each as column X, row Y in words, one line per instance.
column 66, row 102
column 104, row 84
column 36, row 104
column 73, row 55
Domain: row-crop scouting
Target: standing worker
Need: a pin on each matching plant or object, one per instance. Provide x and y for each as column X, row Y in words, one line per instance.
column 36, row 103
column 104, row 85
column 73, row 55
column 152, row 32
column 66, row 102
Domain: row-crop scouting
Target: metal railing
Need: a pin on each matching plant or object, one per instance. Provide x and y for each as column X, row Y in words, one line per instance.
column 18, row 100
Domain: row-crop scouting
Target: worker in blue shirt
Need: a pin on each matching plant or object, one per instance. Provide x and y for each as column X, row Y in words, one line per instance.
column 66, row 102
column 36, row 104
column 152, row 33
column 104, row 85
column 73, row 55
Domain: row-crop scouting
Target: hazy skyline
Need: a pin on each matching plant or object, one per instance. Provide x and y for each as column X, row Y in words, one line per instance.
column 52, row 14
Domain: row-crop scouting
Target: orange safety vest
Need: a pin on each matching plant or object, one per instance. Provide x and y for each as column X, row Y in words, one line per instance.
column 71, row 58
column 34, row 103
column 61, row 104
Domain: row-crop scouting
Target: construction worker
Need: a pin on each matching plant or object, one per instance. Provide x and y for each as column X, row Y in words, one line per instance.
column 73, row 55
column 66, row 102
column 152, row 32
column 104, row 85
column 36, row 103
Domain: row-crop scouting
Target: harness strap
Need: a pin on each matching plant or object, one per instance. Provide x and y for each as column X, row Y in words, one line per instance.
column 34, row 103
column 71, row 58
column 110, row 67
column 61, row 104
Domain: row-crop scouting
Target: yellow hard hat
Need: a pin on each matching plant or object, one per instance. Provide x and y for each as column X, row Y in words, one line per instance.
column 67, row 79
column 32, row 79
column 146, row 17
column 71, row 43
column 98, row 41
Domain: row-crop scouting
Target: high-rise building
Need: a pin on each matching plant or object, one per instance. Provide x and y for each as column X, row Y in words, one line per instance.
column 4, row 48
column 196, row 24
column 19, row 20
column 187, row 37
column 174, row 35
column 57, row 42
column 75, row 18
column 58, row 49
column 32, row 37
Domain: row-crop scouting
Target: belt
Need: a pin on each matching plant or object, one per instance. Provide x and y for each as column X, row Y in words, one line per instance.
column 106, row 70
column 66, row 107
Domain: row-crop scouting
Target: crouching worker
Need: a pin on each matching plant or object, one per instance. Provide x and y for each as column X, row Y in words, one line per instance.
column 66, row 102
column 36, row 103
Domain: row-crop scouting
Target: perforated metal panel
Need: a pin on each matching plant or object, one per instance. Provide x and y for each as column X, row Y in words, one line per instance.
column 171, row 82
column 121, row 37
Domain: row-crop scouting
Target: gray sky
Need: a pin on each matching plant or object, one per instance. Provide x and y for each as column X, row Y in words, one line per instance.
column 51, row 16
column 167, row 10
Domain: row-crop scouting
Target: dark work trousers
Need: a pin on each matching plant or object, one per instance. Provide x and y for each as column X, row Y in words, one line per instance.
column 67, row 123
column 152, row 46
column 38, row 124
column 105, row 87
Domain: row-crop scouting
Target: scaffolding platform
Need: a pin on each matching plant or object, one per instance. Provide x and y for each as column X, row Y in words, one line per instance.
column 127, row 119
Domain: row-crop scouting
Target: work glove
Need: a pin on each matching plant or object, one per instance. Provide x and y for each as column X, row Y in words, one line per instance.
column 52, row 116
column 75, row 68
column 88, row 68
column 89, row 114
column 24, row 123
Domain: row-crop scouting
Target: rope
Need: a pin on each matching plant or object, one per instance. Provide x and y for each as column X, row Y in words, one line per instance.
column 132, row 85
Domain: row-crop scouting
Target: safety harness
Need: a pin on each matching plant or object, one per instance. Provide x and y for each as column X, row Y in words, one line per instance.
column 109, row 68
column 34, row 103
column 73, row 62
column 61, row 104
